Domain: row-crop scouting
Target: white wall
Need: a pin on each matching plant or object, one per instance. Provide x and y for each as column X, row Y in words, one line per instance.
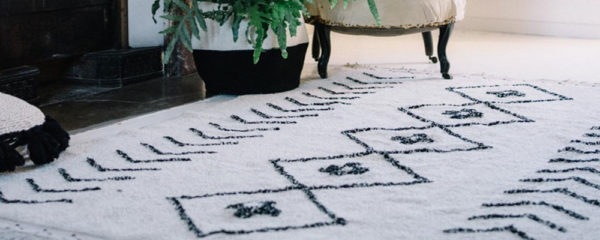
column 564, row 18
column 143, row 32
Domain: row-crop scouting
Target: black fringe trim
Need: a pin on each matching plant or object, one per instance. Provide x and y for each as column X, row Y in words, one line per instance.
column 44, row 143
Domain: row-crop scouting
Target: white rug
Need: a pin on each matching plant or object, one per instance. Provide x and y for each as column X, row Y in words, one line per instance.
column 370, row 153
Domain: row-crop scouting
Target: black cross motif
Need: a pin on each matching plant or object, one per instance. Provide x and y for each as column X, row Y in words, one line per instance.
column 262, row 208
column 463, row 113
column 415, row 138
column 506, row 93
column 353, row 168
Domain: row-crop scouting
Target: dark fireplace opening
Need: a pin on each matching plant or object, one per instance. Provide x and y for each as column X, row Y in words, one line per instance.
column 51, row 36
column 72, row 59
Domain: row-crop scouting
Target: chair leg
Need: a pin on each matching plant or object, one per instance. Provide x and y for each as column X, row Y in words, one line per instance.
column 316, row 48
column 325, row 40
column 428, row 40
column 445, row 32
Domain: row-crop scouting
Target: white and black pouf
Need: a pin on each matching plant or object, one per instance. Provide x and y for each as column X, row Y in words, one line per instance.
column 24, row 130
column 227, row 67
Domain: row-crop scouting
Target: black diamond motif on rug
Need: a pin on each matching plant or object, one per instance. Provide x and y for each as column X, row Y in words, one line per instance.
column 384, row 141
column 245, row 212
column 353, row 168
column 516, row 93
column 248, row 210
column 507, row 93
column 412, row 139
column 461, row 115
column 347, row 171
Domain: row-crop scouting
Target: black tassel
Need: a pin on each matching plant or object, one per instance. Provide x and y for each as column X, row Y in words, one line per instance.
column 37, row 151
column 52, row 127
column 44, row 142
column 43, row 148
column 4, row 160
column 9, row 158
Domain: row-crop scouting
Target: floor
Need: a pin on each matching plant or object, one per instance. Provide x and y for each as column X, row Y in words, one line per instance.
column 497, row 54
column 80, row 108
column 507, row 55
column 504, row 55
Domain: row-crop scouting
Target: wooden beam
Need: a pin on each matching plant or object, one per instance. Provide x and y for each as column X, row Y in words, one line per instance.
column 124, row 24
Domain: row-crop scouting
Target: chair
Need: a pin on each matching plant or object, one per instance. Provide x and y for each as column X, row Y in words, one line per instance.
column 398, row 17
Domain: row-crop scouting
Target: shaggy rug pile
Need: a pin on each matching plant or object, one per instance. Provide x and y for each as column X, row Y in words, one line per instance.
column 370, row 153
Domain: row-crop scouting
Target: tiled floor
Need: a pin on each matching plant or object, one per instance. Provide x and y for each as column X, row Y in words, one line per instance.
column 97, row 107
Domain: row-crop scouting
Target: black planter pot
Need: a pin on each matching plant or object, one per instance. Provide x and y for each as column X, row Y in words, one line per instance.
column 233, row 72
column 227, row 67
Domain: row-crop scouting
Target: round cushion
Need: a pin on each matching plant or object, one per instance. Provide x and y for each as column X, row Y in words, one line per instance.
column 18, row 115
column 26, row 132
column 403, row 14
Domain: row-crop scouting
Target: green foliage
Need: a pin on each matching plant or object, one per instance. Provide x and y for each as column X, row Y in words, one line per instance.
column 279, row 16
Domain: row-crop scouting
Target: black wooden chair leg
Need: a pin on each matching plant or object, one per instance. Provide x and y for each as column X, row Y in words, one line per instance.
column 445, row 32
column 428, row 40
column 316, row 48
column 325, row 40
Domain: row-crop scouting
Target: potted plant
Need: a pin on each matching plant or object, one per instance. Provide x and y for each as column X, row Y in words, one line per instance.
column 242, row 46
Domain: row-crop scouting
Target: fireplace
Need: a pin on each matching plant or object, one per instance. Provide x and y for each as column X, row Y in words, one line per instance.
column 69, row 43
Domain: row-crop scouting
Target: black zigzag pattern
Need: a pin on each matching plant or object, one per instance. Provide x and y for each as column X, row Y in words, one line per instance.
column 564, row 192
